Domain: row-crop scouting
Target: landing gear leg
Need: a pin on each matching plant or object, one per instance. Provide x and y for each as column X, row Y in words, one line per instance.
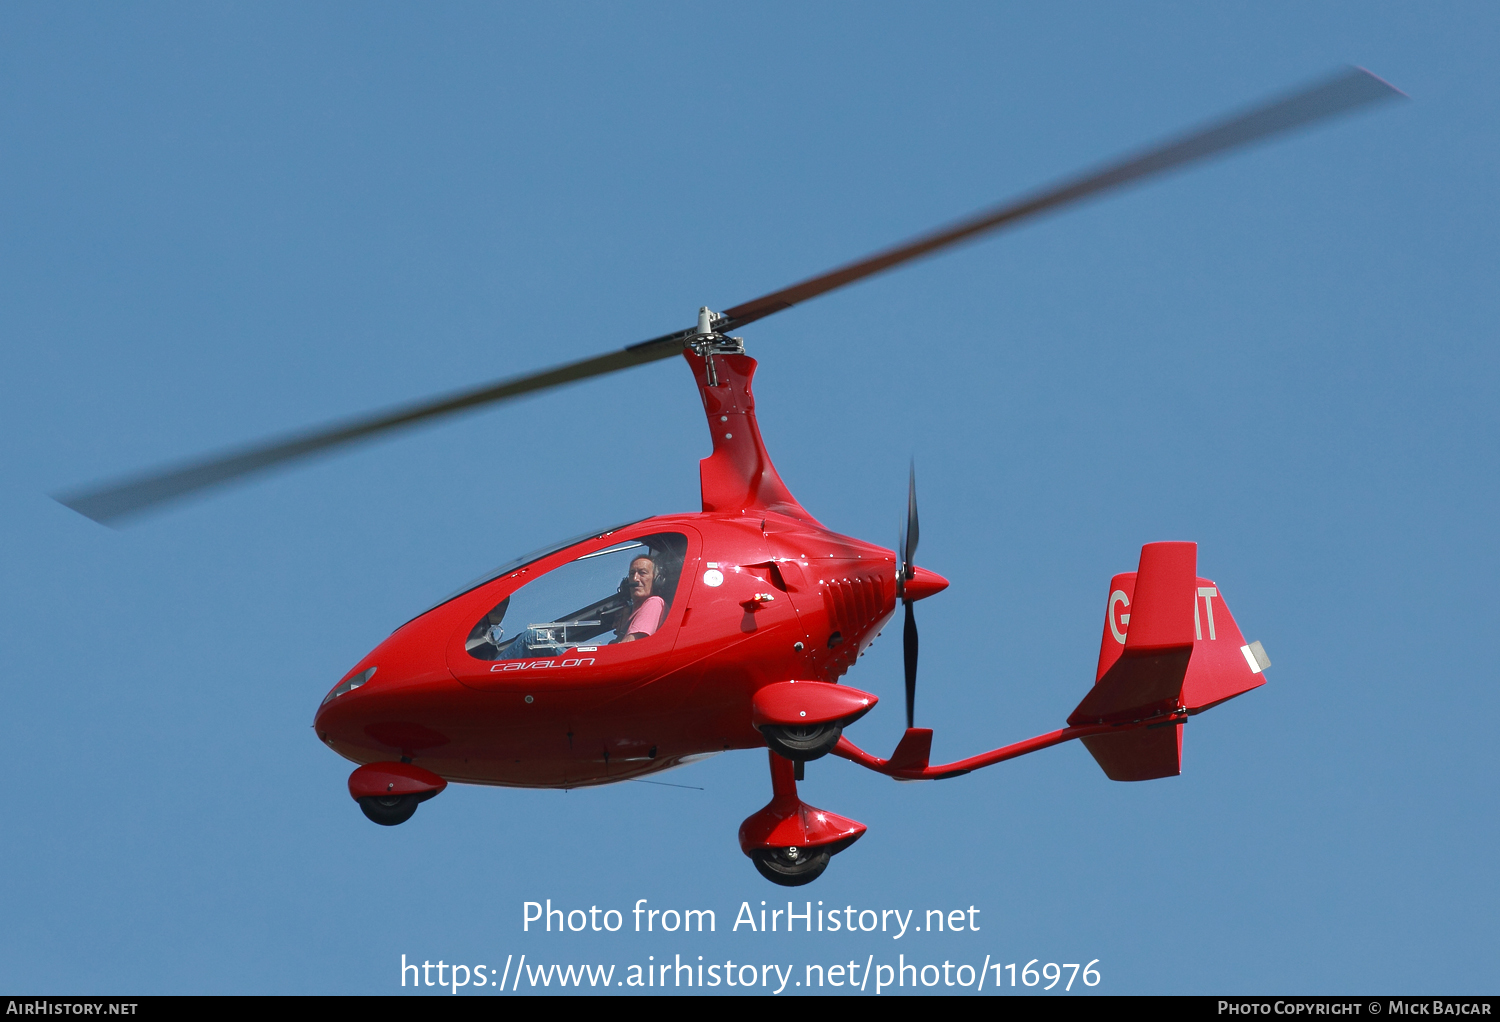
column 789, row 841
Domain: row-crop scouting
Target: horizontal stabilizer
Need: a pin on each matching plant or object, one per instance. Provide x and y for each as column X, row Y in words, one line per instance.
column 1134, row 689
column 1143, row 754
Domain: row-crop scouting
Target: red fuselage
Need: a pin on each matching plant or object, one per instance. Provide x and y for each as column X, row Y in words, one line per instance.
column 765, row 594
column 622, row 710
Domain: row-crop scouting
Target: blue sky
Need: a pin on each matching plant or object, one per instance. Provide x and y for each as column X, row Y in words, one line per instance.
column 227, row 220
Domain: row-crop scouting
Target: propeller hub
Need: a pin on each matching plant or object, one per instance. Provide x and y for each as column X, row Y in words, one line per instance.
column 922, row 584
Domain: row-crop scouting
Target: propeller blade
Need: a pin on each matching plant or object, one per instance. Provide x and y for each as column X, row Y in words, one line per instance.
column 1347, row 91
column 909, row 655
column 141, row 493
column 912, row 532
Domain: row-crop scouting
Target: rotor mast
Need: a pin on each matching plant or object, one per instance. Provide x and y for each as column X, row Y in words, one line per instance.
column 738, row 477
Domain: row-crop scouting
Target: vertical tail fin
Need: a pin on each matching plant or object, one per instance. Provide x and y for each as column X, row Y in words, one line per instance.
column 1169, row 644
column 1223, row 664
column 1150, row 617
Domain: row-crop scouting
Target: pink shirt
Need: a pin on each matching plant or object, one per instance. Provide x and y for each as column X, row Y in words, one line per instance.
column 647, row 617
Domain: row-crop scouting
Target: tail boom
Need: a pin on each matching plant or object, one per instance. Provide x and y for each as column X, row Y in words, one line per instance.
column 1170, row 649
column 905, row 770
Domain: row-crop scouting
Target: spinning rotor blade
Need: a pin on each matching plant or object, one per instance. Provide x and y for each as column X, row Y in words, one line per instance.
column 1351, row 89
column 144, row 492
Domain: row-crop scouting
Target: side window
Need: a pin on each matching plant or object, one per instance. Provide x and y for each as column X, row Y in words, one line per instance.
column 619, row 594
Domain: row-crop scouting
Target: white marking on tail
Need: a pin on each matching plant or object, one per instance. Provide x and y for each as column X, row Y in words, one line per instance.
column 1207, row 593
column 1117, row 597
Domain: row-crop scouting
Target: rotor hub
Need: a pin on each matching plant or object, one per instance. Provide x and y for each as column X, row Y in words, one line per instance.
column 708, row 340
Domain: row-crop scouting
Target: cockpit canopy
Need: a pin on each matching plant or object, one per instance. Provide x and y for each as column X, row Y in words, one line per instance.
column 587, row 600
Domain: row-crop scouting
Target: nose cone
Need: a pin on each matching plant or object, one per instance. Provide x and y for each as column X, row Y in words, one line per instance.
column 923, row 584
column 381, row 720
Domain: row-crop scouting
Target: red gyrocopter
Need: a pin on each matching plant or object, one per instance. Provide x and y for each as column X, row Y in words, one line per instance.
column 641, row 647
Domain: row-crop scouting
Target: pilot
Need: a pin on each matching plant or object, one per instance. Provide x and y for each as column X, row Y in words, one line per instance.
column 646, row 611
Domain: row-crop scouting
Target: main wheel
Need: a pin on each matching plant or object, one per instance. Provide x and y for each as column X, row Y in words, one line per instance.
column 389, row 810
column 802, row 743
column 791, row 867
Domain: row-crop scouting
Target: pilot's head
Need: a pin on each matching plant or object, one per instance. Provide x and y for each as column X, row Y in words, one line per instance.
column 641, row 580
